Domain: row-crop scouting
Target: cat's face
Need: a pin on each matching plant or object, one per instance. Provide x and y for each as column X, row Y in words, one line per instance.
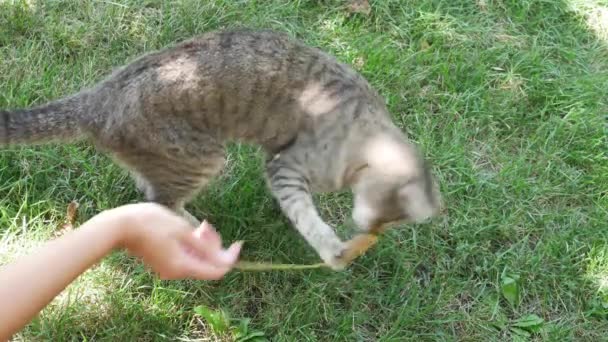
column 395, row 189
column 383, row 202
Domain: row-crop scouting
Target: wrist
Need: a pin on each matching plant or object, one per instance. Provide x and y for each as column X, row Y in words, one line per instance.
column 118, row 225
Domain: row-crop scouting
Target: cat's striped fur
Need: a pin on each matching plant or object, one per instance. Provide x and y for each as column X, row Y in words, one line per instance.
column 167, row 116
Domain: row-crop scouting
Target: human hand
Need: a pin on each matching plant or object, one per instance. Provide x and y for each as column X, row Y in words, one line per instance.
column 168, row 244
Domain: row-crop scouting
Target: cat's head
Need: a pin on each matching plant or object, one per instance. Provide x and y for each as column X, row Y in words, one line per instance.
column 393, row 185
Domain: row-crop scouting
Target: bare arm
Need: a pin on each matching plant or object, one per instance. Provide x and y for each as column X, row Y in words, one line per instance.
column 165, row 242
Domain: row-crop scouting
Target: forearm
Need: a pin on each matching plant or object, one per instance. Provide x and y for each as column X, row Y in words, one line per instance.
column 30, row 283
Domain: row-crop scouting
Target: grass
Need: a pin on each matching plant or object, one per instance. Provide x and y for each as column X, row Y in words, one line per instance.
column 506, row 97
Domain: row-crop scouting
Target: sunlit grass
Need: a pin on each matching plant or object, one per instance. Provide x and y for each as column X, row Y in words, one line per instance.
column 595, row 13
column 507, row 99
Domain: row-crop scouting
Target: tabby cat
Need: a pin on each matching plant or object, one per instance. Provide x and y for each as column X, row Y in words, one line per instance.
column 168, row 115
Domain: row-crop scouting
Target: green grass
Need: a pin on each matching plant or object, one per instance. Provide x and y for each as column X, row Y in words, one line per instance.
column 506, row 97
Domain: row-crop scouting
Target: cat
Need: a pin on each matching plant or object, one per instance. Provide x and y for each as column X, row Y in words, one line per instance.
column 168, row 115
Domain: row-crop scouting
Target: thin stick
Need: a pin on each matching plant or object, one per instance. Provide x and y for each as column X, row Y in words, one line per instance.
column 357, row 247
column 262, row 266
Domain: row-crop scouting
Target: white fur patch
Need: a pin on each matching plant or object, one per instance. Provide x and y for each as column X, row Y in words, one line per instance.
column 315, row 101
column 179, row 70
column 362, row 214
column 389, row 157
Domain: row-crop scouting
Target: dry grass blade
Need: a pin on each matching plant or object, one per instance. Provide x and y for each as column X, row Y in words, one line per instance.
column 71, row 214
column 356, row 247
column 70, row 219
column 262, row 266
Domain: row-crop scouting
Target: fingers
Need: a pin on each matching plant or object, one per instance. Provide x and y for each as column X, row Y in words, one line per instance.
column 231, row 255
column 222, row 257
column 206, row 244
column 217, row 266
column 209, row 235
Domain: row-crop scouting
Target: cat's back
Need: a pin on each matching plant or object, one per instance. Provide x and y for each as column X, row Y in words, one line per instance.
column 253, row 85
column 222, row 54
column 238, row 58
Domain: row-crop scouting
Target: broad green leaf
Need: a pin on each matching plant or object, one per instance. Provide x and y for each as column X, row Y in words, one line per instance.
column 530, row 322
column 242, row 333
column 519, row 332
column 217, row 319
column 510, row 290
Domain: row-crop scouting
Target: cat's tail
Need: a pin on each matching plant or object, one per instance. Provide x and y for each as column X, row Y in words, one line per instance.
column 55, row 121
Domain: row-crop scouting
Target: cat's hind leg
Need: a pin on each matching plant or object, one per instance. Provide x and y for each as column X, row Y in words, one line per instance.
column 173, row 180
column 141, row 183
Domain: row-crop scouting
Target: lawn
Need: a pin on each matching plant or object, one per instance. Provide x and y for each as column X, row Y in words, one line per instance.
column 507, row 98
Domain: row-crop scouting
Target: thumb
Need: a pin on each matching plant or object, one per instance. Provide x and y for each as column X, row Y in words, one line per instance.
column 225, row 257
column 231, row 255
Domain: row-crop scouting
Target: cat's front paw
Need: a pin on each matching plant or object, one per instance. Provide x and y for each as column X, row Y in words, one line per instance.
column 351, row 250
column 334, row 257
